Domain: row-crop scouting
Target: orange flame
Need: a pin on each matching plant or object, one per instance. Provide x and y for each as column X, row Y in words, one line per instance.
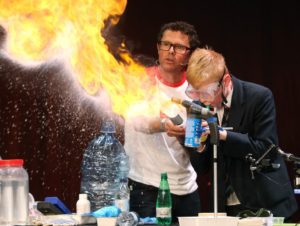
column 39, row 30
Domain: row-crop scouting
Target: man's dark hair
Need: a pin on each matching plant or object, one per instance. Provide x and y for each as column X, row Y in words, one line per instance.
column 183, row 27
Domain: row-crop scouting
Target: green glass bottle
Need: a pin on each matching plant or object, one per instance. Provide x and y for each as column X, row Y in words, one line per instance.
column 164, row 202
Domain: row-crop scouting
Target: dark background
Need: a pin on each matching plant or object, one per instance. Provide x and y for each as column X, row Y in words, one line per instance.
column 42, row 121
column 259, row 40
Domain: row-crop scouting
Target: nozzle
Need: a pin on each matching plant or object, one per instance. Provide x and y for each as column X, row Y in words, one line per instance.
column 193, row 107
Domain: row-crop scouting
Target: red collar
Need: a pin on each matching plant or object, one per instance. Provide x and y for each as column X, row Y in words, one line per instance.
column 177, row 84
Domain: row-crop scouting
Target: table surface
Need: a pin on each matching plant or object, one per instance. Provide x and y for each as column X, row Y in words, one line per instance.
column 174, row 224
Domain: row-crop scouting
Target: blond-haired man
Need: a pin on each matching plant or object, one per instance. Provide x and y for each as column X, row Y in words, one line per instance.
column 249, row 108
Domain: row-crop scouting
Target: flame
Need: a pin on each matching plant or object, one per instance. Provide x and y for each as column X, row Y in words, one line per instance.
column 39, row 30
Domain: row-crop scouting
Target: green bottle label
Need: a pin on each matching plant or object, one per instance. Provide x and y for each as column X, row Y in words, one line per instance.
column 163, row 212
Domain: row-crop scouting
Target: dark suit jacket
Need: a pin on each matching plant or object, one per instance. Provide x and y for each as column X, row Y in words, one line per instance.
column 253, row 118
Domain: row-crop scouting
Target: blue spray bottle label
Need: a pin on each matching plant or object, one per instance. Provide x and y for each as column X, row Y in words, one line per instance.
column 193, row 131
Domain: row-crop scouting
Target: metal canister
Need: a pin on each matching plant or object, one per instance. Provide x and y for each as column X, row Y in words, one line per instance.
column 193, row 130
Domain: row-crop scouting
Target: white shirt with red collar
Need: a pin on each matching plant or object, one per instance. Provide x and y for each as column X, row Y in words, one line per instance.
column 152, row 154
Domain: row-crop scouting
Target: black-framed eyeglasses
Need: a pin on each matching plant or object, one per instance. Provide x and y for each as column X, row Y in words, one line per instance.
column 166, row 46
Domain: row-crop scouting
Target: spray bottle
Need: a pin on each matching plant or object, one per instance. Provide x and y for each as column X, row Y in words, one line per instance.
column 195, row 114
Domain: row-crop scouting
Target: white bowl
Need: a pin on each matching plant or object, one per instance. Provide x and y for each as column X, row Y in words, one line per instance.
column 208, row 221
column 106, row 221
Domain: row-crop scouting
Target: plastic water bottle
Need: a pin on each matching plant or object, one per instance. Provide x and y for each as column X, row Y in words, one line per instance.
column 164, row 202
column 297, row 175
column 124, row 166
column 83, row 205
column 122, row 196
column 128, row 219
column 13, row 193
column 100, row 169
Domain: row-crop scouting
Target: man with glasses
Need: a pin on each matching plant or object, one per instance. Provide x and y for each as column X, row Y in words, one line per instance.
column 151, row 151
column 248, row 108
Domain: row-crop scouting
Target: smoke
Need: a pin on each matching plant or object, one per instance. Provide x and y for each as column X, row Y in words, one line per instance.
column 118, row 44
column 47, row 118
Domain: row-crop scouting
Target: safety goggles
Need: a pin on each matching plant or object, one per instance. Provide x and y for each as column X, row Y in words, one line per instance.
column 207, row 92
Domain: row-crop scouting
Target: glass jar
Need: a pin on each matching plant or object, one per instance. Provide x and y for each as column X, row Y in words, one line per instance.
column 13, row 192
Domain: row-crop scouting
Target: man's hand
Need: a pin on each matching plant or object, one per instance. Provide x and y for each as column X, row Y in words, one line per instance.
column 173, row 130
column 222, row 133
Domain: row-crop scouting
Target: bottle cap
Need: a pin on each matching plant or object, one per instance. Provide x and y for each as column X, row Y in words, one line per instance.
column 12, row 162
column 108, row 126
column 83, row 196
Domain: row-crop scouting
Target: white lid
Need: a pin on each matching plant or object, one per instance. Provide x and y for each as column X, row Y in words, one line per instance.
column 83, row 196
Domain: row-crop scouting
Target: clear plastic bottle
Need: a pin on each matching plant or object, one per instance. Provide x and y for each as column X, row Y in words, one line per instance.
column 122, row 196
column 164, row 202
column 83, row 205
column 13, row 193
column 297, row 175
column 124, row 166
column 100, row 169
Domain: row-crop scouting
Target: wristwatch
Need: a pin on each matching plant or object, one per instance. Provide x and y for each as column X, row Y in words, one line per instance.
column 162, row 124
